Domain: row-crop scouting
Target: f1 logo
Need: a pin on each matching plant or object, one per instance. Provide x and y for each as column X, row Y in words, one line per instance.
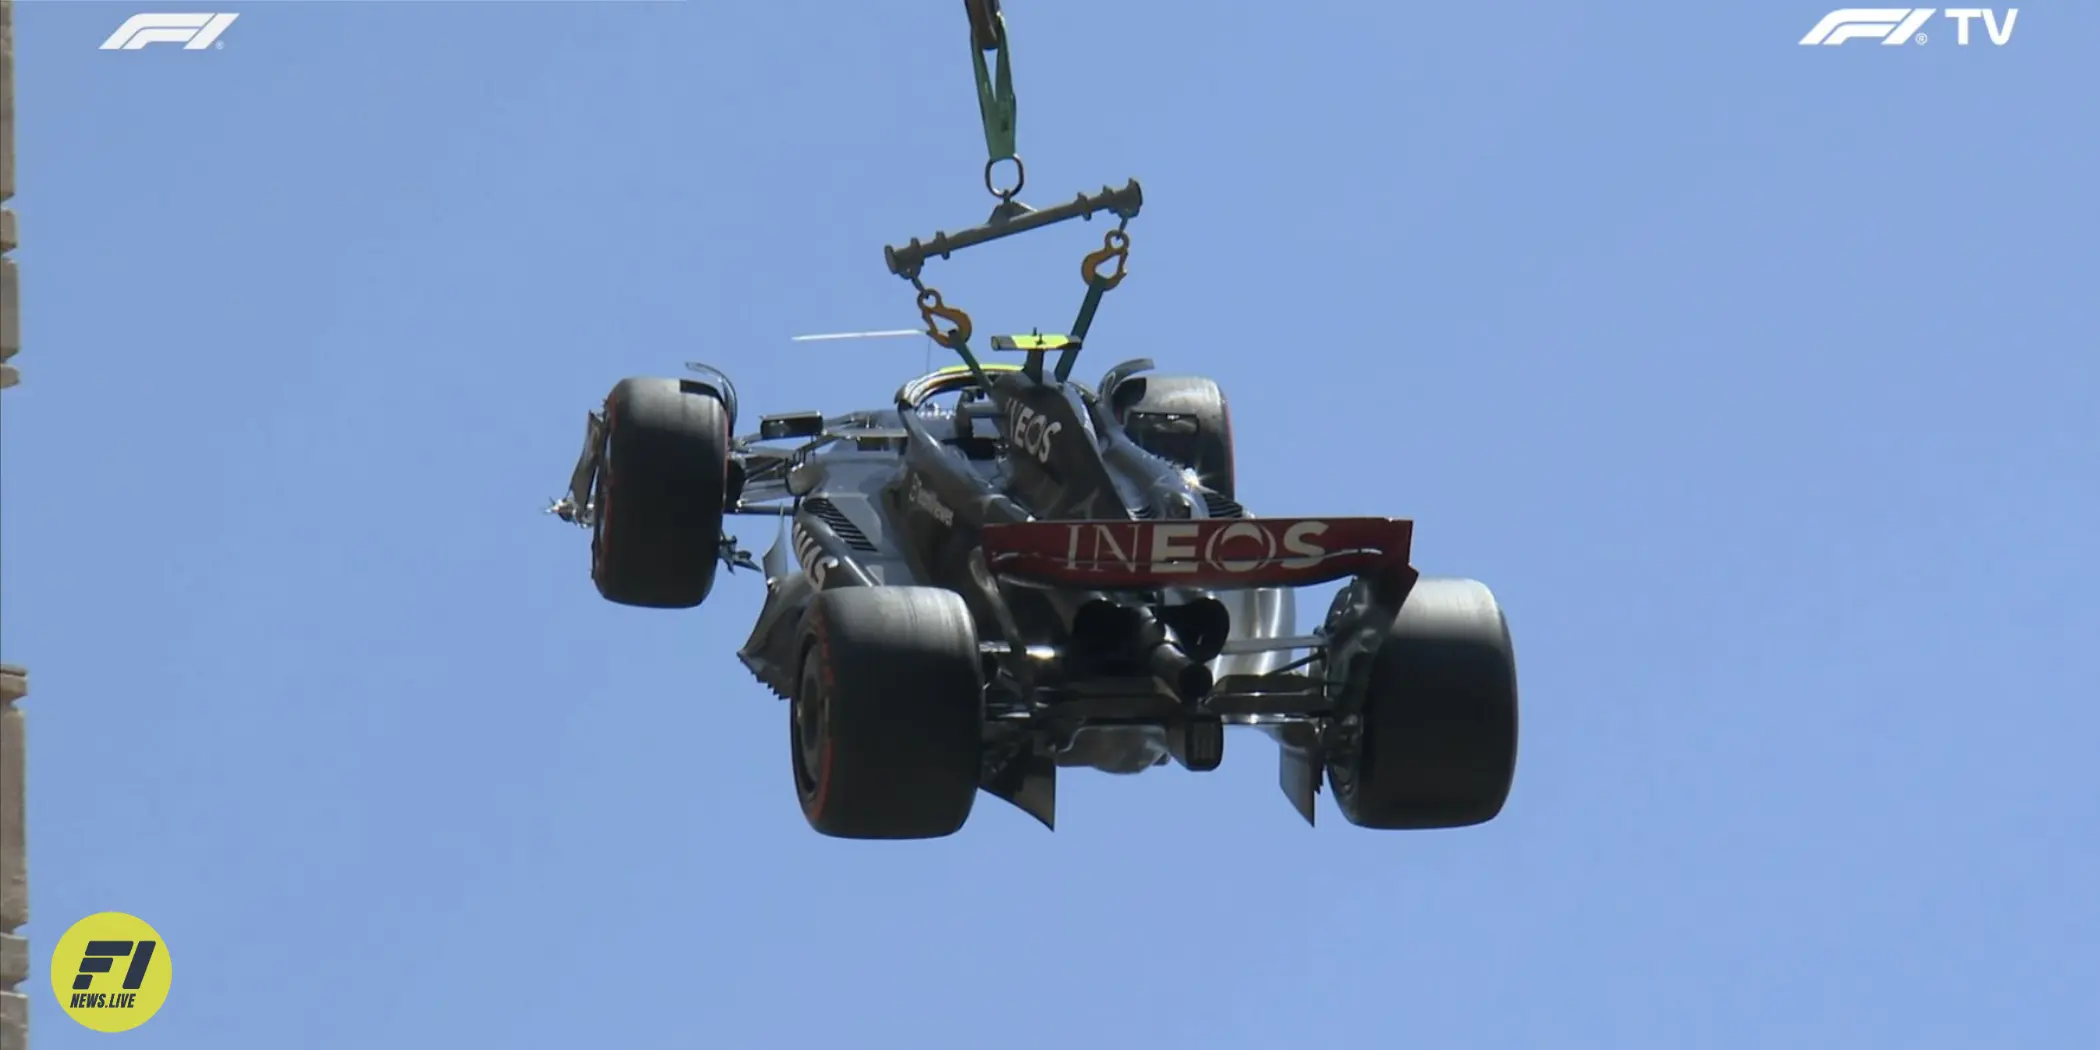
column 101, row 956
column 194, row 32
column 1893, row 26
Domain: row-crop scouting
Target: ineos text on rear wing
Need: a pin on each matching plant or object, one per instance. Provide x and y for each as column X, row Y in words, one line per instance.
column 1210, row 553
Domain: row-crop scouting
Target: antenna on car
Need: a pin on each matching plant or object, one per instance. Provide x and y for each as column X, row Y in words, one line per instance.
column 888, row 333
column 893, row 333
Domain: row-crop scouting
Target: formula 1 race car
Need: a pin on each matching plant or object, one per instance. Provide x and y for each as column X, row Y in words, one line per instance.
column 1006, row 572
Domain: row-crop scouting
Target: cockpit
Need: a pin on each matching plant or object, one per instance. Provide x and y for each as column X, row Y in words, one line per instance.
column 962, row 414
column 969, row 425
column 956, row 409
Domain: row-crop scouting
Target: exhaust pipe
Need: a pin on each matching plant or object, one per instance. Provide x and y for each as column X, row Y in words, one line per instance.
column 1184, row 677
column 1132, row 634
column 1201, row 627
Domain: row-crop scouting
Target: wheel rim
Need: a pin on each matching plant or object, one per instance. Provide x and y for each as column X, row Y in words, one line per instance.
column 806, row 727
column 1345, row 762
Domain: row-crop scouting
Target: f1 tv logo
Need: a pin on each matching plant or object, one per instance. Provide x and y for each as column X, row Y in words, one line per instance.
column 1896, row 26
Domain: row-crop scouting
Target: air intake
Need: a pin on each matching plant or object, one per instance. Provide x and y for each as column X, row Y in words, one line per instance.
column 1218, row 506
column 828, row 512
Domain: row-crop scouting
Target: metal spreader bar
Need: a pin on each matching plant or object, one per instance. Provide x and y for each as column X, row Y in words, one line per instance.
column 907, row 261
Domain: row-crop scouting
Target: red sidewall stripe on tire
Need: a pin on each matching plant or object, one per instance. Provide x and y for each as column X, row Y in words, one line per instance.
column 601, row 514
column 827, row 679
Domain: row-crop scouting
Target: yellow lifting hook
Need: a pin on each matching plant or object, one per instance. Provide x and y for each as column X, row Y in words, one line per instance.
column 1114, row 247
column 931, row 308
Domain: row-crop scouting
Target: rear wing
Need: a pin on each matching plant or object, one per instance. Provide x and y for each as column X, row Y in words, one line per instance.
column 1209, row 553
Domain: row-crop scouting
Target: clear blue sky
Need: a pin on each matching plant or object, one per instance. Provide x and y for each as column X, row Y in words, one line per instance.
column 1758, row 380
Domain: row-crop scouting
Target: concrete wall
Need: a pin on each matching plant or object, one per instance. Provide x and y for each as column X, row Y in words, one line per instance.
column 14, row 859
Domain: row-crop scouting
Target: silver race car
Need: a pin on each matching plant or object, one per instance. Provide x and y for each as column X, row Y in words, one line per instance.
column 1005, row 572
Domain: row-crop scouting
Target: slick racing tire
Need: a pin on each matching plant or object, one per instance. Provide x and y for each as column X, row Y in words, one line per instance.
column 887, row 721
column 1183, row 419
column 1437, row 742
column 662, row 482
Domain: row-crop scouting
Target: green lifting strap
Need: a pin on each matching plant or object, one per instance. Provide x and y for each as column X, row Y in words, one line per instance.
column 995, row 93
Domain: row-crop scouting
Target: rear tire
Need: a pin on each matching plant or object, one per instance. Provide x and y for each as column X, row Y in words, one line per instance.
column 887, row 721
column 1183, row 419
column 1437, row 743
column 662, row 484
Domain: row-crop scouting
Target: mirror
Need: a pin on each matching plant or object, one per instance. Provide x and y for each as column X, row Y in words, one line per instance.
column 805, row 479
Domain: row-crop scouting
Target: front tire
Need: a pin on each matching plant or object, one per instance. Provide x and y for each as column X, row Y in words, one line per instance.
column 887, row 721
column 662, row 484
column 1436, row 736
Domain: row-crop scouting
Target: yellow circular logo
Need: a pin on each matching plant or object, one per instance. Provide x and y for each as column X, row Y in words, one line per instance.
column 111, row 972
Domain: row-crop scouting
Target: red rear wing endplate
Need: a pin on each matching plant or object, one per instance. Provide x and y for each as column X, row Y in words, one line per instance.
column 1210, row 553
